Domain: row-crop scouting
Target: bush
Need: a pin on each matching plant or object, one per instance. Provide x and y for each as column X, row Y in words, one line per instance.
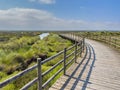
column 2, row 74
column 25, row 49
column 18, row 59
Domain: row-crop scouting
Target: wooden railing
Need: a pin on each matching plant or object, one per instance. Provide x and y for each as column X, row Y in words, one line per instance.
column 68, row 58
column 112, row 41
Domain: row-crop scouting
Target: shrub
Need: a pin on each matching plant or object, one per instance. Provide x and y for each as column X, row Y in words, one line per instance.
column 2, row 74
column 18, row 59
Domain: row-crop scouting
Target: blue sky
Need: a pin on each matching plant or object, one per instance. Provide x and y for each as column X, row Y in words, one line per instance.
column 60, row 15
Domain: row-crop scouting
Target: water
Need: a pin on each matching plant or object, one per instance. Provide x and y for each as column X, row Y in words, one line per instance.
column 43, row 35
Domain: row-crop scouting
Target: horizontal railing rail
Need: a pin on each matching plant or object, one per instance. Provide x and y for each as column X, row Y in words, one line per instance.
column 46, row 72
column 4, row 83
column 112, row 41
column 69, row 55
column 52, row 57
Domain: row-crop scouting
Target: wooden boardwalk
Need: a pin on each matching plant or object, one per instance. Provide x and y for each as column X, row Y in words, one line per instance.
column 99, row 70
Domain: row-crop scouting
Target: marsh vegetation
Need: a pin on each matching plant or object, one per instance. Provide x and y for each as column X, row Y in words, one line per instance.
column 20, row 50
column 110, row 38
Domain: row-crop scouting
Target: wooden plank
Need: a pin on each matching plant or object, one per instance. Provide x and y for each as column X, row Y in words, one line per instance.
column 102, row 72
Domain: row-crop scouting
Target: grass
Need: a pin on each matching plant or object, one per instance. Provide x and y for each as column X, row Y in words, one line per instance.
column 19, row 49
column 108, row 37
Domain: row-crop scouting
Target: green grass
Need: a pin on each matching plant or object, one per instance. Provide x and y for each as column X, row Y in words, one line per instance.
column 108, row 37
column 17, row 51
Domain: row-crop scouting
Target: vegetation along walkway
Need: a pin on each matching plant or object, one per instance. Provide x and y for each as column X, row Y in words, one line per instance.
column 99, row 70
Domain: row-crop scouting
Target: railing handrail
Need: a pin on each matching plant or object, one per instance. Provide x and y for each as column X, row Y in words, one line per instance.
column 40, row 75
column 17, row 76
column 115, row 42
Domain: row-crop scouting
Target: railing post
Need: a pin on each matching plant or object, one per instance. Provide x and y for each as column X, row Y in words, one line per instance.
column 64, row 61
column 81, row 49
column 75, row 52
column 105, row 39
column 110, row 40
column 72, row 35
column 115, row 42
column 39, row 74
column 83, row 43
column 78, row 38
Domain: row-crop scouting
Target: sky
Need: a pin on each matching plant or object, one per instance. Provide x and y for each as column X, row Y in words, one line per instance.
column 60, row 15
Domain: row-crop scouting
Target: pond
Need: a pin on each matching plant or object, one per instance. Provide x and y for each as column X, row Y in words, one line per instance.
column 43, row 35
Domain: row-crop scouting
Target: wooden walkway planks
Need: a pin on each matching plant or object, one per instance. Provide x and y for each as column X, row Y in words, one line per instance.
column 99, row 72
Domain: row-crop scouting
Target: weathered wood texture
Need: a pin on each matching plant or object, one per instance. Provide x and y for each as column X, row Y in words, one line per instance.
column 100, row 70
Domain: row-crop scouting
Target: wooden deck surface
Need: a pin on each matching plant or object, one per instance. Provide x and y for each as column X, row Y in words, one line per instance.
column 100, row 70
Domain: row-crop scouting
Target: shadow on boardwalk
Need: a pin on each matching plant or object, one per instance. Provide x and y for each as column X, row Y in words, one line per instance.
column 91, row 57
column 92, row 74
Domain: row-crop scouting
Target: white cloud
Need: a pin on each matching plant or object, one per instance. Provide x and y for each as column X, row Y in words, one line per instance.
column 33, row 19
column 44, row 1
column 47, row 1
